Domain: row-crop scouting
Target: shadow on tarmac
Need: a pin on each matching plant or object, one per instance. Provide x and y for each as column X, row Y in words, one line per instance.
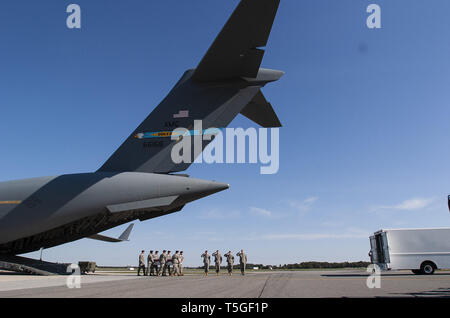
column 441, row 292
column 384, row 275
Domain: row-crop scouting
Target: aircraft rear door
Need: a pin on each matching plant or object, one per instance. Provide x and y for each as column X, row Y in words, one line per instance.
column 373, row 250
column 384, row 240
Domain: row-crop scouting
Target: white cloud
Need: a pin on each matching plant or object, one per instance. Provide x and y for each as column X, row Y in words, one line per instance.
column 217, row 214
column 206, row 236
column 299, row 206
column 348, row 233
column 408, row 205
column 333, row 223
column 305, row 205
column 314, row 236
column 261, row 212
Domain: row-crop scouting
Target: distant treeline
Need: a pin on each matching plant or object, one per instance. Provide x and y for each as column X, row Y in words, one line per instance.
column 305, row 265
column 324, row 265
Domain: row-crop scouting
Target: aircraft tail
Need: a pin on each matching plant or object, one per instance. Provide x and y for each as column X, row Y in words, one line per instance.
column 237, row 52
column 227, row 82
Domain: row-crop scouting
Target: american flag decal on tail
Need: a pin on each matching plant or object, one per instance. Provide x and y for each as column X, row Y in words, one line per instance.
column 182, row 114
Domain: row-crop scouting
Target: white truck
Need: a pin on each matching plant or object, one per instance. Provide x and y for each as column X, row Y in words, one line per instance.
column 421, row 250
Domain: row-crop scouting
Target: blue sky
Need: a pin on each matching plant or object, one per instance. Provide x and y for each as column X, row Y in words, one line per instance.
column 364, row 144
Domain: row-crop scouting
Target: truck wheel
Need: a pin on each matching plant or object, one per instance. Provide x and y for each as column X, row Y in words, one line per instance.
column 427, row 268
column 416, row 271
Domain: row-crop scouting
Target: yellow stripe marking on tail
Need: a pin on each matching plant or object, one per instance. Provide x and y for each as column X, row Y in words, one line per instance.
column 10, row 202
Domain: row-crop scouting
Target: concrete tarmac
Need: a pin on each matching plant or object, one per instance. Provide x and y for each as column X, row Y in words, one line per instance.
column 295, row 284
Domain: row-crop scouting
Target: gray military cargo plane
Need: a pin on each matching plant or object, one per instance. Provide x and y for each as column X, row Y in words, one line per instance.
column 138, row 182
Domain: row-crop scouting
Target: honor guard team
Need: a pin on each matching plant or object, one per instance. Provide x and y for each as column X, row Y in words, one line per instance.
column 161, row 265
column 218, row 261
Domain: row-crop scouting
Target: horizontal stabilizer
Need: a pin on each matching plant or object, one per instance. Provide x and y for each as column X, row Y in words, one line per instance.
column 126, row 234
column 236, row 51
column 122, row 238
column 261, row 112
column 142, row 205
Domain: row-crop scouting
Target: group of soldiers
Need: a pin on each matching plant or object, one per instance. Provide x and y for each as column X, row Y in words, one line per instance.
column 218, row 261
column 160, row 265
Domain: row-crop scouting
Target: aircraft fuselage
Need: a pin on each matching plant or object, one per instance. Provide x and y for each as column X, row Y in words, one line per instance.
column 32, row 207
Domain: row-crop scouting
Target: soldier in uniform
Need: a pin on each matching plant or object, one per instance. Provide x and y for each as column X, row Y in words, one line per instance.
column 162, row 264
column 242, row 261
column 180, row 263
column 230, row 262
column 155, row 269
column 169, row 263
column 141, row 263
column 217, row 261
column 206, row 261
column 149, row 263
column 175, row 262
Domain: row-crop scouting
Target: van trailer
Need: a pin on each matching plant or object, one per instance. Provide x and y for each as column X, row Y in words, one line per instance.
column 423, row 251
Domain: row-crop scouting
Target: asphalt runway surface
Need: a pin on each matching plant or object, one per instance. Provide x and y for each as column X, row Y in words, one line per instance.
column 296, row 284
